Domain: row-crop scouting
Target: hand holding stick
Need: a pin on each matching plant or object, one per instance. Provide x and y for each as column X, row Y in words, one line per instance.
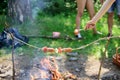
column 106, row 5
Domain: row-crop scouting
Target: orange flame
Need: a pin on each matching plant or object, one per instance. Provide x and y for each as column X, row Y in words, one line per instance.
column 52, row 67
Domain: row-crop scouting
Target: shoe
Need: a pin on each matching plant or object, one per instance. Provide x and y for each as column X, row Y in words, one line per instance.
column 109, row 35
column 78, row 36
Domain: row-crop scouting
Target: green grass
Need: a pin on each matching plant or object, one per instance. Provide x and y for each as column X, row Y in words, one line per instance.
column 45, row 25
column 2, row 22
column 66, row 25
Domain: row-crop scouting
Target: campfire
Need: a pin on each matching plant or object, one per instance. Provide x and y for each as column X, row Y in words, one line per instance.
column 48, row 70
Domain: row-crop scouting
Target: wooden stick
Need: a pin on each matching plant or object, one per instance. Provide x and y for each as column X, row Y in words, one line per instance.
column 103, row 58
column 100, row 39
column 67, row 37
column 13, row 69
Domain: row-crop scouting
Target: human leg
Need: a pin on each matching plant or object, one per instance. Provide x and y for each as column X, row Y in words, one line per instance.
column 110, row 19
column 91, row 11
column 118, row 8
column 80, row 6
column 110, row 23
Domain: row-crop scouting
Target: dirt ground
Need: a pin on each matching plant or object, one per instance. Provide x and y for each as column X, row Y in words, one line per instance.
column 82, row 67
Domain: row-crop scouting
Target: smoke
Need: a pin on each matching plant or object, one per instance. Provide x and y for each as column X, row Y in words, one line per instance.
column 37, row 5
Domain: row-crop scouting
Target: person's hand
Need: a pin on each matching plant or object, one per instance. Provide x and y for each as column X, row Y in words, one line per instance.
column 89, row 25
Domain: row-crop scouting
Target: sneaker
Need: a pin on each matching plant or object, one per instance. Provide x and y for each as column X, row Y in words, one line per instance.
column 78, row 36
column 109, row 35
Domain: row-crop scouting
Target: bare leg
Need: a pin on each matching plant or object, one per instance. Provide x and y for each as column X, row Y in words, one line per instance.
column 106, row 5
column 81, row 6
column 90, row 8
column 110, row 23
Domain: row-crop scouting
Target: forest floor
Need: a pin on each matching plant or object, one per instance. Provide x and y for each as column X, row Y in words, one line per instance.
column 80, row 67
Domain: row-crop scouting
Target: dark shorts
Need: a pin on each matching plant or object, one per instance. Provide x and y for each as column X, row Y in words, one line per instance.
column 116, row 5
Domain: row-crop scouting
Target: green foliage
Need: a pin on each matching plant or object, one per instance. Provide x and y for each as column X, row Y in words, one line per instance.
column 3, row 6
column 66, row 7
column 54, row 7
column 46, row 24
column 2, row 22
column 3, row 12
column 66, row 25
